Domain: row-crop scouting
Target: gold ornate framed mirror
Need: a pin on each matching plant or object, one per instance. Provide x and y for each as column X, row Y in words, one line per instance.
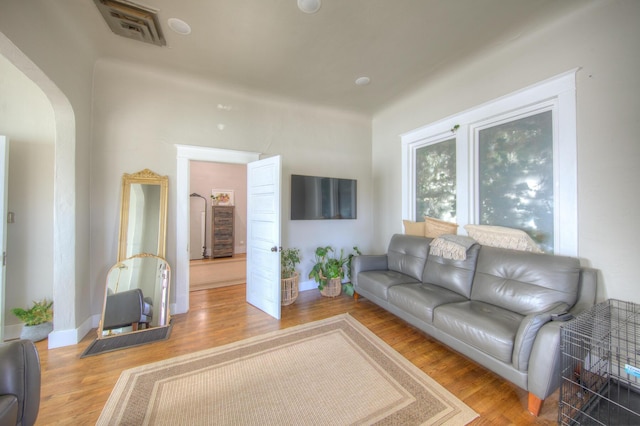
column 143, row 214
column 136, row 296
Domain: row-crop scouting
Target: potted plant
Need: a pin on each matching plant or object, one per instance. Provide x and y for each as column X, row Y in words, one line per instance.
column 329, row 270
column 348, row 286
column 289, row 277
column 37, row 320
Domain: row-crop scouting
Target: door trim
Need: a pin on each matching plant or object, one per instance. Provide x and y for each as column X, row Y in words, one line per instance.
column 186, row 153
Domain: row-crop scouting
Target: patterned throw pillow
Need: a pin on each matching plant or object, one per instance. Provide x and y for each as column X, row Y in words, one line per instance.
column 501, row 236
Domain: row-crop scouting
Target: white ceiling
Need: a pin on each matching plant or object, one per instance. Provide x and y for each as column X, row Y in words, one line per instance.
column 271, row 46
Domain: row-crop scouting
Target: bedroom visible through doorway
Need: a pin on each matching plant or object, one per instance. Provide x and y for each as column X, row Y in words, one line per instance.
column 217, row 243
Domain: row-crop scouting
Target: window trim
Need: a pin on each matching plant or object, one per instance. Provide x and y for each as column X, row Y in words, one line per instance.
column 558, row 94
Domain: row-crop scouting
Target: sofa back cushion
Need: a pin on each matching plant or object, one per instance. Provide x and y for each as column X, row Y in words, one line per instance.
column 454, row 275
column 408, row 254
column 525, row 282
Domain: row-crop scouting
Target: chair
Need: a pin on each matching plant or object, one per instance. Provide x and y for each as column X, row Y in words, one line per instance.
column 19, row 383
column 127, row 308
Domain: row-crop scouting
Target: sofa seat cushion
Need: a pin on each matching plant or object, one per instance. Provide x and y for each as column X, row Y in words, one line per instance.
column 420, row 299
column 486, row 327
column 379, row 282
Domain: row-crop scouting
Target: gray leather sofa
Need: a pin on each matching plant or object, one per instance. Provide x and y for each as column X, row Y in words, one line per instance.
column 19, row 383
column 495, row 306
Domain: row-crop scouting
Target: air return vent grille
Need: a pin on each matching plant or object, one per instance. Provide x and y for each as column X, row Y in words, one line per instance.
column 132, row 21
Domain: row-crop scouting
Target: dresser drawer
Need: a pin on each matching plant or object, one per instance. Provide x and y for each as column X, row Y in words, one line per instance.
column 222, row 232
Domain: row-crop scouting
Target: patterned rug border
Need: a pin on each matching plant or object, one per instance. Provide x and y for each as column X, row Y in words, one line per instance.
column 434, row 403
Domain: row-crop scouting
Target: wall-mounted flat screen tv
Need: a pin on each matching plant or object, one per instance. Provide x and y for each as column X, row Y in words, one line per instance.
column 314, row 197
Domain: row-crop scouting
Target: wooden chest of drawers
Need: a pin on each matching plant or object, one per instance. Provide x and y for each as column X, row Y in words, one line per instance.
column 222, row 231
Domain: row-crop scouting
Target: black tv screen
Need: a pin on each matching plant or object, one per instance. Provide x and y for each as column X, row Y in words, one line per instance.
column 314, row 197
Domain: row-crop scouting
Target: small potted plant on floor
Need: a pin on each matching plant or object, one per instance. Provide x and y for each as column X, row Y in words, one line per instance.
column 289, row 277
column 348, row 286
column 329, row 270
column 37, row 319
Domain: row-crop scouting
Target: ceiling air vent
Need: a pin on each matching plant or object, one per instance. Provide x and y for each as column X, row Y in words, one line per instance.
column 132, row 21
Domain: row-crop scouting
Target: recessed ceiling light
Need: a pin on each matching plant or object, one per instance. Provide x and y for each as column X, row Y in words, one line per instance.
column 179, row 26
column 309, row 6
column 363, row 81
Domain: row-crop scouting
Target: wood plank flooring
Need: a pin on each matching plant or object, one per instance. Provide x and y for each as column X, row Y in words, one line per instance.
column 74, row 390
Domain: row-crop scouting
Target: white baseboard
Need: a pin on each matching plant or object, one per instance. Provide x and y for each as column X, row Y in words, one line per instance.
column 60, row 338
column 307, row 285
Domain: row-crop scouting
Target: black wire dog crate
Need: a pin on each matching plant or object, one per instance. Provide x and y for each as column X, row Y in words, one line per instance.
column 600, row 363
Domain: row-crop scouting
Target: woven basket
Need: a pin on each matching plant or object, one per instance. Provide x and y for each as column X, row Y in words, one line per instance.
column 332, row 288
column 289, row 289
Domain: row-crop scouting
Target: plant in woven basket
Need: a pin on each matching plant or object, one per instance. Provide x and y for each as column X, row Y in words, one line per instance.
column 41, row 312
column 329, row 265
column 348, row 287
column 289, row 259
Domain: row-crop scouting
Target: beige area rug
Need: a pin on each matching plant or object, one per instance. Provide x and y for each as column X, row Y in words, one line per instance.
column 329, row 372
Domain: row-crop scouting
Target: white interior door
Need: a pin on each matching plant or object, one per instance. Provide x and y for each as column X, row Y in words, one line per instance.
column 263, row 235
column 4, row 174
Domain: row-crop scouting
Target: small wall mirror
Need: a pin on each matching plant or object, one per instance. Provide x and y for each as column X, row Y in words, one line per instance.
column 136, row 296
column 143, row 214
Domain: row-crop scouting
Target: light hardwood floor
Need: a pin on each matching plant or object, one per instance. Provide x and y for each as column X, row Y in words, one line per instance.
column 74, row 390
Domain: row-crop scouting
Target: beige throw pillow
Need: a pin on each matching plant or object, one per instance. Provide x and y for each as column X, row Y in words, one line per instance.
column 501, row 236
column 413, row 228
column 435, row 227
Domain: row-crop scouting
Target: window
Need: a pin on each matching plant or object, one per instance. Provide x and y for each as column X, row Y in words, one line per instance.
column 510, row 162
column 436, row 180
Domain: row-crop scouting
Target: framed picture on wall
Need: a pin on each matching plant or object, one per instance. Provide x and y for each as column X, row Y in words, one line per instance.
column 222, row 197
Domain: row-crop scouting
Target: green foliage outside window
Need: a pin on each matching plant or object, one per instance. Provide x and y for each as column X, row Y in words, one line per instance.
column 436, row 181
column 516, row 177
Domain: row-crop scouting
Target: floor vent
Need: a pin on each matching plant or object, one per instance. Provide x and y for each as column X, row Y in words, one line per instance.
column 132, row 21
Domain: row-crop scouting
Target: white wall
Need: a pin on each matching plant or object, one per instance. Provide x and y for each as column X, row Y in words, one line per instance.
column 26, row 117
column 139, row 114
column 61, row 64
column 602, row 39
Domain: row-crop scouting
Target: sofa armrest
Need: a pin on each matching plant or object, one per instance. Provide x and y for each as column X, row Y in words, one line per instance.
column 527, row 332
column 544, row 362
column 587, row 292
column 367, row 262
column 20, row 377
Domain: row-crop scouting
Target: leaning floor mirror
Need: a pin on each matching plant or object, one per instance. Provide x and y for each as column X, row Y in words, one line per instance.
column 143, row 214
column 136, row 298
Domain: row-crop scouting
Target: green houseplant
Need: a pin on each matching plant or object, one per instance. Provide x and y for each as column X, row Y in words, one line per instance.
column 289, row 277
column 329, row 270
column 348, row 287
column 289, row 259
column 37, row 319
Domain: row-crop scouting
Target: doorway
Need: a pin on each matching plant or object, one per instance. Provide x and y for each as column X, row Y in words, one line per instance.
column 217, row 243
column 186, row 154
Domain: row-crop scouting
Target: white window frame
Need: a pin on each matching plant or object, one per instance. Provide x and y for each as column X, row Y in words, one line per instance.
column 557, row 94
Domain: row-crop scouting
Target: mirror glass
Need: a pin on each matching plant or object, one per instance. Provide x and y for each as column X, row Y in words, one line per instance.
column 137, row 295
column 143, row 214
